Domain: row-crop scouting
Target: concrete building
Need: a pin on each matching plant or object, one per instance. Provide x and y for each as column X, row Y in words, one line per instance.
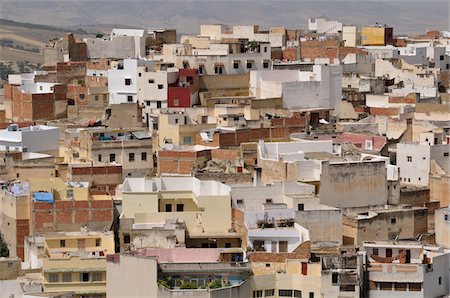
column 120, row 44
column 132, row 148
column 354, row 184
column 406, row 269
column 37, row 138
column 317, row 89
column 77, row 261
column 404, row 222
column 377, row 35
column 202, row 206
column 63, row 50
column 350, row 36
column 323, row 25
column 123, row 80
column 14, row 216
column 442, row 226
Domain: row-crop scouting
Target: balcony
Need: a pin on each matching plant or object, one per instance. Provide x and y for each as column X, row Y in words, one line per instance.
column 380, row 272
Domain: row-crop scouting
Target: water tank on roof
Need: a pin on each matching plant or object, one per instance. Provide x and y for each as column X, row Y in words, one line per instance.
column 13, row 127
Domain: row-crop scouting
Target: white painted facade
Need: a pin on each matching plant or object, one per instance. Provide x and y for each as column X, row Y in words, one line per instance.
column 350, row 36
column 152, row 87
column 38, row 138
column 320, row 88
column 414, row 162
column 122, row 81
column 323, row 25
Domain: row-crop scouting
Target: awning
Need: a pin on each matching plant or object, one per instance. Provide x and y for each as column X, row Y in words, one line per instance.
column 141, row 135
column 43, row 197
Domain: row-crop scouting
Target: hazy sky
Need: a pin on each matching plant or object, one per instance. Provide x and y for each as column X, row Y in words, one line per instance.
column 186, row 16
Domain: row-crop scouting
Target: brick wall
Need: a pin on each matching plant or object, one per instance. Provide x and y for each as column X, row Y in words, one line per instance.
column 23, row 230
column 312, row 49
column 226, row 154
column 70, row 215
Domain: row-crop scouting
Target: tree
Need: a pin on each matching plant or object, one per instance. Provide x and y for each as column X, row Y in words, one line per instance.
column 4, row 251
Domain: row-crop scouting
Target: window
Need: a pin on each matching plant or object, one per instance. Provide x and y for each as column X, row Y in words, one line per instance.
column 62, row 243
column 249, row 64
column 300, row 207
column 446, row 217
column 441, row 57
column 227, row 245
column 67, row 277
column 53, row 277
column 297, row 293
column 81, row 96
column 218, row 69
column 112, row 157
column 168, row 208
column 267, row 265
column 84, row 277
column 99, row 158
column 127, row 82
column 126, row 238
column 147, row 103
column 97, row 276
column 187, row 140
column 334, row 278
column 98, row 242
column 160, row 86
column 311, row 294
column 239, row 202
column 236, row 64
column 265, row 49
column 388, row 252
column 257, row 294
column 400, row 286
column 375, row 251
column 130, row 98
column 200, row 69
column 283, row 246
column 440, row 280
column 180, row 207
column 96, row 97
column 285, row 293
column 393, row 220
column 266, row 64
column 158, row 104
column 409, row 158
column 269, row 293
column 151, row 81
column 131, row 157
column 143, row 156
column 304, row 268
column 140, row 74
column 268, row 201
column 445, row 154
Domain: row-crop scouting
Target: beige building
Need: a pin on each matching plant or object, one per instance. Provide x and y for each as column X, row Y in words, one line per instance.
column 404, row 222
column 179, row 129
column 132, row 148
column 202, row 207
column 76, row 261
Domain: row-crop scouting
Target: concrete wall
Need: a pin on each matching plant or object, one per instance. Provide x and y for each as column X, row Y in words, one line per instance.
column 323, row 225
column 442, row 227
column 131, row 276
column 353, row 184
column 414, row 163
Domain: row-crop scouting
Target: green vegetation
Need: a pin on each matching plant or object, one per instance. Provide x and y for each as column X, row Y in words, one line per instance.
column 188, row 285
column 4, row 251
column 5, row 70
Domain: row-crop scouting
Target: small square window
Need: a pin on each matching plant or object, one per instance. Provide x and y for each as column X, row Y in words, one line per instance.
column 130, row 98
column 268, row 201
column 236, row 65
column 81, row 96
column 67, row 277
column 265, row 64
column 151, row 81
column 168, row 207
column 127, row 82
column 375, row 251
column 126, row 239
column 62, row 243
column 160, row 86
column 140, row 74
column 269, row 293
column 445, row 154
column 239, row 202
column 180, row 207
column 131, row 157
column 249, row 65
column 112, row 157
column 147, row 103
column 409, row 158
column 393, row 220
column 300, row 207
column 143, row 156
column 98, row 242
column 53, row 277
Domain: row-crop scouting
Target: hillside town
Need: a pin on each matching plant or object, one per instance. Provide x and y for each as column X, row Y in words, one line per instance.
column 241, row 161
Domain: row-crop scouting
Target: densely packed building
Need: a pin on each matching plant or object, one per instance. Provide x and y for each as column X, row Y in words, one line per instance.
column 239, row 162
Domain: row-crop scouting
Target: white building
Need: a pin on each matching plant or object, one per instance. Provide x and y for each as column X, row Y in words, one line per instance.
column 414, row 161
column 120, row 44
column 122, row 81
column 320, row 88
column 38, row 138
column 323, row 25
column 350, row 36
column 442, row 227
column 406, row 269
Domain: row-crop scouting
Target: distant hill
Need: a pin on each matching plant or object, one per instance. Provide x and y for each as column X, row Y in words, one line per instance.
column 186, row 16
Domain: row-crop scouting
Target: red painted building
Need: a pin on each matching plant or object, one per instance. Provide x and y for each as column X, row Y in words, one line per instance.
column 184, row 92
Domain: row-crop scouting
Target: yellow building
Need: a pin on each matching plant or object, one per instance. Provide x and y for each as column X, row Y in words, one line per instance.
column 376, row 35
column 76, row 261
column 204, row 207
